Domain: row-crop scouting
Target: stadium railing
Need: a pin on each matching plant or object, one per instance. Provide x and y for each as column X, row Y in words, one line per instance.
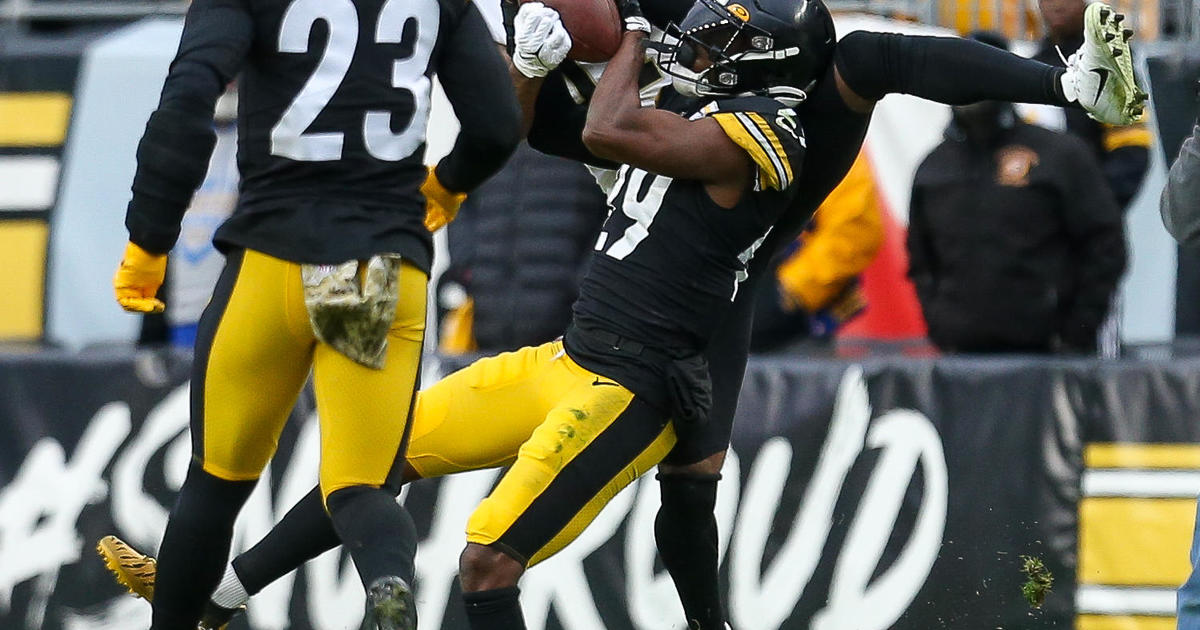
column 1153, row 20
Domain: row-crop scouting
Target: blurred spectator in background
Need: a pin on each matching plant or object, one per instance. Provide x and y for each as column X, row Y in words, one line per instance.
column 1180, row 202
column 1123, row 152
column 1180, row 206
column 816, row 287
column 517, row 253
column 1015, row 243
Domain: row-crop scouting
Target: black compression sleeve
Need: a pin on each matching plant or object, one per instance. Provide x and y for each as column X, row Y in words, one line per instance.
column 477, row 82
column 558, row 124
column 174, row 150
column 948, row 70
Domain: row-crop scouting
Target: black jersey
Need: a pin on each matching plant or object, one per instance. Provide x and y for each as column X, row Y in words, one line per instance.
column 668, row 262
column 334, row 96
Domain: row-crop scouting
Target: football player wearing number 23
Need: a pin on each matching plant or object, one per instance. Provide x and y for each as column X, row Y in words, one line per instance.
column 327, row 256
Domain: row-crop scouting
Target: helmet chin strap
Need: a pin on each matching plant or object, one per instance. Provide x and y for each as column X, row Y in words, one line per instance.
column 787, row 95
column 686, row 87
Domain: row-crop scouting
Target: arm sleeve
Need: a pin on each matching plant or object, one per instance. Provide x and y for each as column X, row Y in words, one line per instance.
column 1180, row 202
column 174, row 151
column 1096, row 228
column 558, row 123
column 480, row 90
column 847, row 234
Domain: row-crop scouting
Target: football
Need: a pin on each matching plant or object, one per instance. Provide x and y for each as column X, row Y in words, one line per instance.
column 594, row 26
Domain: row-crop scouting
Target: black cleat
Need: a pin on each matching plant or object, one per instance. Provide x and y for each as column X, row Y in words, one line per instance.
column 390, row 606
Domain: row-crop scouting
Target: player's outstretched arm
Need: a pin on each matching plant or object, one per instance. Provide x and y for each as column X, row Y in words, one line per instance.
column 618, row 128
column 477, row 83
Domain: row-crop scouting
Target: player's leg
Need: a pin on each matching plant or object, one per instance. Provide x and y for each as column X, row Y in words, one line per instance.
column 250, row 364
column 455, row 428
column 685, row 529
column 948, row 70
column 598, row 440
column 364, row 425
column 462, row 404
column 958, row 71
column 303, row 533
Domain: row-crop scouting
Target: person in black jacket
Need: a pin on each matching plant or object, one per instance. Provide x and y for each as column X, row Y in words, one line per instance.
column 1015, row 242
column 519, row 249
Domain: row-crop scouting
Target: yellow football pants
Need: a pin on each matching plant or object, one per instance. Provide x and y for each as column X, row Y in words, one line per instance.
column 574, row 440
column 254, row 349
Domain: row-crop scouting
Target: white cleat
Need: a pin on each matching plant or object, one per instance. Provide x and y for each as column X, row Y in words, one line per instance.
column 1099, row 75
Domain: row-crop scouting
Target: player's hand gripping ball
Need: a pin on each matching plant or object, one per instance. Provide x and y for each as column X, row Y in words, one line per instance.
column 540, row 40
column 593, row 26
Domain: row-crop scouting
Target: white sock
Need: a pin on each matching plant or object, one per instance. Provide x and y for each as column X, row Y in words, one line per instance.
column 230, row 593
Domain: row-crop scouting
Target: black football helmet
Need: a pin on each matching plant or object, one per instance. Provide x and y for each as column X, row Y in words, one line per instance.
column 770, row 47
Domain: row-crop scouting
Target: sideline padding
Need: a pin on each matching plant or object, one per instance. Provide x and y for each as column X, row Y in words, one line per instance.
column 34, row 119
column 1134, row 541
column 1118, row 455
column 23, row 259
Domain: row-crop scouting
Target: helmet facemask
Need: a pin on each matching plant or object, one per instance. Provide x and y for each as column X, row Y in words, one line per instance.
column 710, row 32
column 775, row 48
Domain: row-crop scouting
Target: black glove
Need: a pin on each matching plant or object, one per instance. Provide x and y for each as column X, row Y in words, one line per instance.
column 631, row 16
column 690, row 389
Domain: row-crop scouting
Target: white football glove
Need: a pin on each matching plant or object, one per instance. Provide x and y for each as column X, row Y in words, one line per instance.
column 541, row 42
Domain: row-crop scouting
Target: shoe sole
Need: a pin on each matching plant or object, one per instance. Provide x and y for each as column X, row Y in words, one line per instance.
column 1101, row 20
column 125, row 563
column 391, row 608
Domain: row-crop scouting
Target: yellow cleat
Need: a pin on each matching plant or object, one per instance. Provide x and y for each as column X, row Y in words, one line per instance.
column 133, row 570
column 136, row 572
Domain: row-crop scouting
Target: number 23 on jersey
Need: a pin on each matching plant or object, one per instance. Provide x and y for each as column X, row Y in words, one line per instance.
column 289, row 136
